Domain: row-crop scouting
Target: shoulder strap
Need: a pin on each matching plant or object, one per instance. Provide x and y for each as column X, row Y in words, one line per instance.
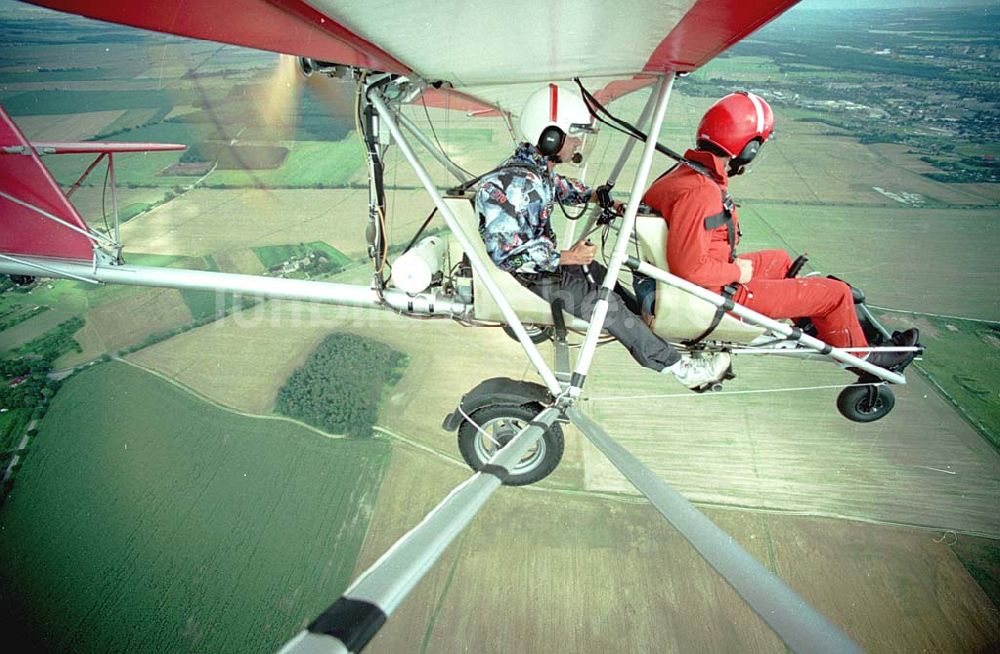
column 725, row 217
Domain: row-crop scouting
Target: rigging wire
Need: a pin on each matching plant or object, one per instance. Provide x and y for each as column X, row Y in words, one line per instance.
column 434, row 134
column 104, row 197
column 619, row 398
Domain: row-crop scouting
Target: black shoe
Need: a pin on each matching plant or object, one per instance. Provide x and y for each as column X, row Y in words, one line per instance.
column 909, row 338
column 897, row 361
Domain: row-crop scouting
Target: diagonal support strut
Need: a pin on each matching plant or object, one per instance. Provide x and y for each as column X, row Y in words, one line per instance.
column 801, row 627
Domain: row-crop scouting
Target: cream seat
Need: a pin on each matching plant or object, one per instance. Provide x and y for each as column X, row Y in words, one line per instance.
column 529, row 307
column 680, row 315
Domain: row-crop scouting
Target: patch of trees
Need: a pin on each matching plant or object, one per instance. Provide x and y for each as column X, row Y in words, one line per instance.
column 24, row 381
column 53, row 343
column 25, row 384
column 17, row 313
column 341, row 385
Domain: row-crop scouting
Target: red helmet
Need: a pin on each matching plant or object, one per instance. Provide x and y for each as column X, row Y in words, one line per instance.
column 738, row 124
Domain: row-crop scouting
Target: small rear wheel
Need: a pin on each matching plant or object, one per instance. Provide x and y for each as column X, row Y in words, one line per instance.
column 497, row 426
column 865, row 403
column 537, row 333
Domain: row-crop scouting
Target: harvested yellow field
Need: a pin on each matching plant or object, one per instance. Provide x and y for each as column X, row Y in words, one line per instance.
column 791, row 450
column 128, row 321
column 543, row 571
column 785, row 449
column 205, row 221
column 239, row 261
column 803, row 163
column 240, row 361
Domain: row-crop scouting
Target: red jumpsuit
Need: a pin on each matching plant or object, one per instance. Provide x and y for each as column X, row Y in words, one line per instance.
column 702, row 255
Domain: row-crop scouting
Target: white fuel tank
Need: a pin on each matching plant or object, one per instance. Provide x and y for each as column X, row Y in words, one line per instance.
column 414, row 271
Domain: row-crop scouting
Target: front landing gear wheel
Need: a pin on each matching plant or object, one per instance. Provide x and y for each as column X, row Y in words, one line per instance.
column 497, row 426
column 865, row 403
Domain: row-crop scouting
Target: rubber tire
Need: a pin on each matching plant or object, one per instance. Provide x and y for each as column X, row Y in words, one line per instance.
column 537, row 333
column 853, row 403
column 552, row 443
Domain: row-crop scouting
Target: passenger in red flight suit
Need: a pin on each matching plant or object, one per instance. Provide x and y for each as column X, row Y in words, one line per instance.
column 704, row 232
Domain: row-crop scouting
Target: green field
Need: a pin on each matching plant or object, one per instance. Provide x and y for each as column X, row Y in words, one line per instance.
column 12, row 424
column 59, row 101
column 145, row 519
column 275, row 255
column 308, row 164
column 963, row 360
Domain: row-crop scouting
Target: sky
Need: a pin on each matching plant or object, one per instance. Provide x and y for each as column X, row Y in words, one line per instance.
column 894, row 4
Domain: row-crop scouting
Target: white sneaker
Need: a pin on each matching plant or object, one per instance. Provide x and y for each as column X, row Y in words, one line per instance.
column 702, row 371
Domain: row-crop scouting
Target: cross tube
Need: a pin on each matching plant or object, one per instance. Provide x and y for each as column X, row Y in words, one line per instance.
column 351, row 295
column 662, row 93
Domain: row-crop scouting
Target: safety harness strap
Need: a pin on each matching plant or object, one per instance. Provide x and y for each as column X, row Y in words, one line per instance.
column 725, row 217
column 727, row 292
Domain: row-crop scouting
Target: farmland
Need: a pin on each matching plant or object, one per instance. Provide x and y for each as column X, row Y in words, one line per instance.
column 583, row 573
column 149, row 515
column 191, row 527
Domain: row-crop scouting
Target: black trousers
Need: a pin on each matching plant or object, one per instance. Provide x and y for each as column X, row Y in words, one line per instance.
column 578, row 293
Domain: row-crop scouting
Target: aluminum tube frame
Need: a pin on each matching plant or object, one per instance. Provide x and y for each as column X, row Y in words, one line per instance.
column 799, row 352
column 114, row 202
column 34, row 267
column 269, row 287
column 662, row 94
column 629, row 141
column 768, row 323
column 79, row 181
column 798, row 624
column 430, row 147
column 477, row 262
column 623, row 157
column 387, row 582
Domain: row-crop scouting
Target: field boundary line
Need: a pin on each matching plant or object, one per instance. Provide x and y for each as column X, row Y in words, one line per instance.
column 979, row 427
column 616, row 496
column 204, row 398
column 418, row 446
column 934, row 315
column 629, row 498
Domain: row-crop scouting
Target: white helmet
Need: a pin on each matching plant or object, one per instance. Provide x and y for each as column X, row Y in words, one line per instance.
column 550, row 114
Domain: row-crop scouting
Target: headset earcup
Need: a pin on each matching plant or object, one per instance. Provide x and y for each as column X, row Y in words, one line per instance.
column 551, row 140
column 748, row 152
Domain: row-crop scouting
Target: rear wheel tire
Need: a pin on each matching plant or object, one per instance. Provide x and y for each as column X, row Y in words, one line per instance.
column 501, row 424
column 537, row 333
column 856, row 403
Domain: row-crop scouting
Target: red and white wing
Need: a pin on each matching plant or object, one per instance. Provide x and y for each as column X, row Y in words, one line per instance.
column 475, row 46
column 36, row 218
column 489, row 55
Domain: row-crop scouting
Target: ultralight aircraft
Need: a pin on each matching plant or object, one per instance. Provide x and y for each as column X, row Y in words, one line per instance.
column 481, row 58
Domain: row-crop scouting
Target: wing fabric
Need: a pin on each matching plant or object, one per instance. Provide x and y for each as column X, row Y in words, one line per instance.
column 476, row 46
column 287, row 26
column 710, row 27
column 25, row 183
